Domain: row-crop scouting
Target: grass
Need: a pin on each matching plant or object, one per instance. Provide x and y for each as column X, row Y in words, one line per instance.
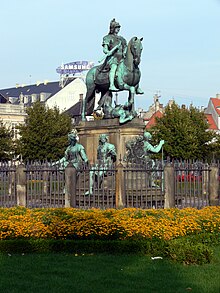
column 104, row 273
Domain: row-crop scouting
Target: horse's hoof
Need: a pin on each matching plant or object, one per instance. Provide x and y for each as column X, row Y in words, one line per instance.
column 113, row 88
column 139, row 91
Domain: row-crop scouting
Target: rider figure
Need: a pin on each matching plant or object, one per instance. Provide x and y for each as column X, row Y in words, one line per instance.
column 115, row 47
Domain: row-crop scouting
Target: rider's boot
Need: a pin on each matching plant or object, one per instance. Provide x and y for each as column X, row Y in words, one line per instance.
column 112, row 78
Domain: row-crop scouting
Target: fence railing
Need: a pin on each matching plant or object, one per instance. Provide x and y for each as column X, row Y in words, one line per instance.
column 123, row 185
column 8, row 186
column 45, row 186
column 143, row 186
column 192, row 184
column 96, row 187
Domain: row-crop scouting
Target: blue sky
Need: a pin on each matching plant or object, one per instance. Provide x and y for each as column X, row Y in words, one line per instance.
column 180, row 60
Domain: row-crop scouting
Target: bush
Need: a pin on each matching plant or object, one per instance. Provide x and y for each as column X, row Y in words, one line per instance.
column 178, row 250
column 78, row 246
column 184, row 251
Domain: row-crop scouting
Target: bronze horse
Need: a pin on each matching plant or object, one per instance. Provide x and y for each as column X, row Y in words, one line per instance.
column 127, row 78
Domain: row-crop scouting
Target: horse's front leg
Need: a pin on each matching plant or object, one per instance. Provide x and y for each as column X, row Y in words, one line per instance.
column 131, row 98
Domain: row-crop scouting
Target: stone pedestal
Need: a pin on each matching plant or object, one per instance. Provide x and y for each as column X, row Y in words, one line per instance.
column 89, row 132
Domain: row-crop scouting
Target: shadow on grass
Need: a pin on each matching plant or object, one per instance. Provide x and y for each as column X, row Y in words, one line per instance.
column 104, row 273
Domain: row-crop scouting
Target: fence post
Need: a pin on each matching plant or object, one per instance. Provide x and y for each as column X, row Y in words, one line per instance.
column 21, row 185
column 119, row 186
column 70, row 186
column 169, row 195
column 213, row 185
column 45, row 183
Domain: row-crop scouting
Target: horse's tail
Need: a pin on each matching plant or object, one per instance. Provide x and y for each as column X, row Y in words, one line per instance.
column 89, row 101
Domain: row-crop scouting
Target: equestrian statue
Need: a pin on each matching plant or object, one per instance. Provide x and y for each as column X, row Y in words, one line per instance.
column 118, row 72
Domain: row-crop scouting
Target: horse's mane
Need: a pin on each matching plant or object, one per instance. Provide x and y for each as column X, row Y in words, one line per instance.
column 129, row 55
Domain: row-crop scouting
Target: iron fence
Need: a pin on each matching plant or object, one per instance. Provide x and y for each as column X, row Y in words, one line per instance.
column 133, row 185
column 8, row 191
column 191, row 184
column 144, row 185
column 96, row 187
column 45, row 185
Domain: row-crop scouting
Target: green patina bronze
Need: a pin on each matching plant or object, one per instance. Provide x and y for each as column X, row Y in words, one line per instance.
column 106, row 156
column 115, row 48
column 147, row 147
column 139, row 149
column 119, row 71
column 74, row 155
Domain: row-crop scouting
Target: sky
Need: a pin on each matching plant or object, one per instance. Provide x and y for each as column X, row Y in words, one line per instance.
column 181, row 43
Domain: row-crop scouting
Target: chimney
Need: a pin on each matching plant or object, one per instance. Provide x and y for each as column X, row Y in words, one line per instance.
column 217, row 96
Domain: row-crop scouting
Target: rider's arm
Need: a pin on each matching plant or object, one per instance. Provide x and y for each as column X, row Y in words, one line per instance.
column 105, row 45
column 105, row 48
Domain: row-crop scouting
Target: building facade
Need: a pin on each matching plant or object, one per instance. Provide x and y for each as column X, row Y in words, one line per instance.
column 14, row 101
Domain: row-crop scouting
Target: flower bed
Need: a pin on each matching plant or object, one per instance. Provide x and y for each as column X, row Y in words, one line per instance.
column 184, row 235
column 110, row 224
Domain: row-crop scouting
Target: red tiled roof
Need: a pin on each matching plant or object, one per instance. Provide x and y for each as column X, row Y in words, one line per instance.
column 216, row 104
column 152, row 119
column 211, row 122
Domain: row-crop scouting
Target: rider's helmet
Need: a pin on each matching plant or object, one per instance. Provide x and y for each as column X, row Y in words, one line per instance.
column 113, row 25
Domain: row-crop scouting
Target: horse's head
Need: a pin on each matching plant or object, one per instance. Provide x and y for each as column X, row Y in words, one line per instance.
column 136, row 49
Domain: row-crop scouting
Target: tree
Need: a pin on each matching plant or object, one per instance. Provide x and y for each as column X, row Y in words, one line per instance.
column 214, row 145
column 6, row 143
column 185, row 132
column 44, row 134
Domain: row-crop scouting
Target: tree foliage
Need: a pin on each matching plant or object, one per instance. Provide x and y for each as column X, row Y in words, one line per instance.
column 44, row 134
column 6, row 143
column 214, row 153
column 185, row 132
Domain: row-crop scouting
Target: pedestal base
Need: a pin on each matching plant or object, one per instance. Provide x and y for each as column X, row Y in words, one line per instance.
column 89, row 132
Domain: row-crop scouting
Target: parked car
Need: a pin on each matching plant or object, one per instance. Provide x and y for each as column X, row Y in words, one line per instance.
column 189, row 176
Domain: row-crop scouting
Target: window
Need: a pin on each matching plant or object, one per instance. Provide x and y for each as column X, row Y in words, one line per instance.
column 15, row 131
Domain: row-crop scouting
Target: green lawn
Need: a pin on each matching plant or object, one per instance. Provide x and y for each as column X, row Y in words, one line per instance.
column 105, row 274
